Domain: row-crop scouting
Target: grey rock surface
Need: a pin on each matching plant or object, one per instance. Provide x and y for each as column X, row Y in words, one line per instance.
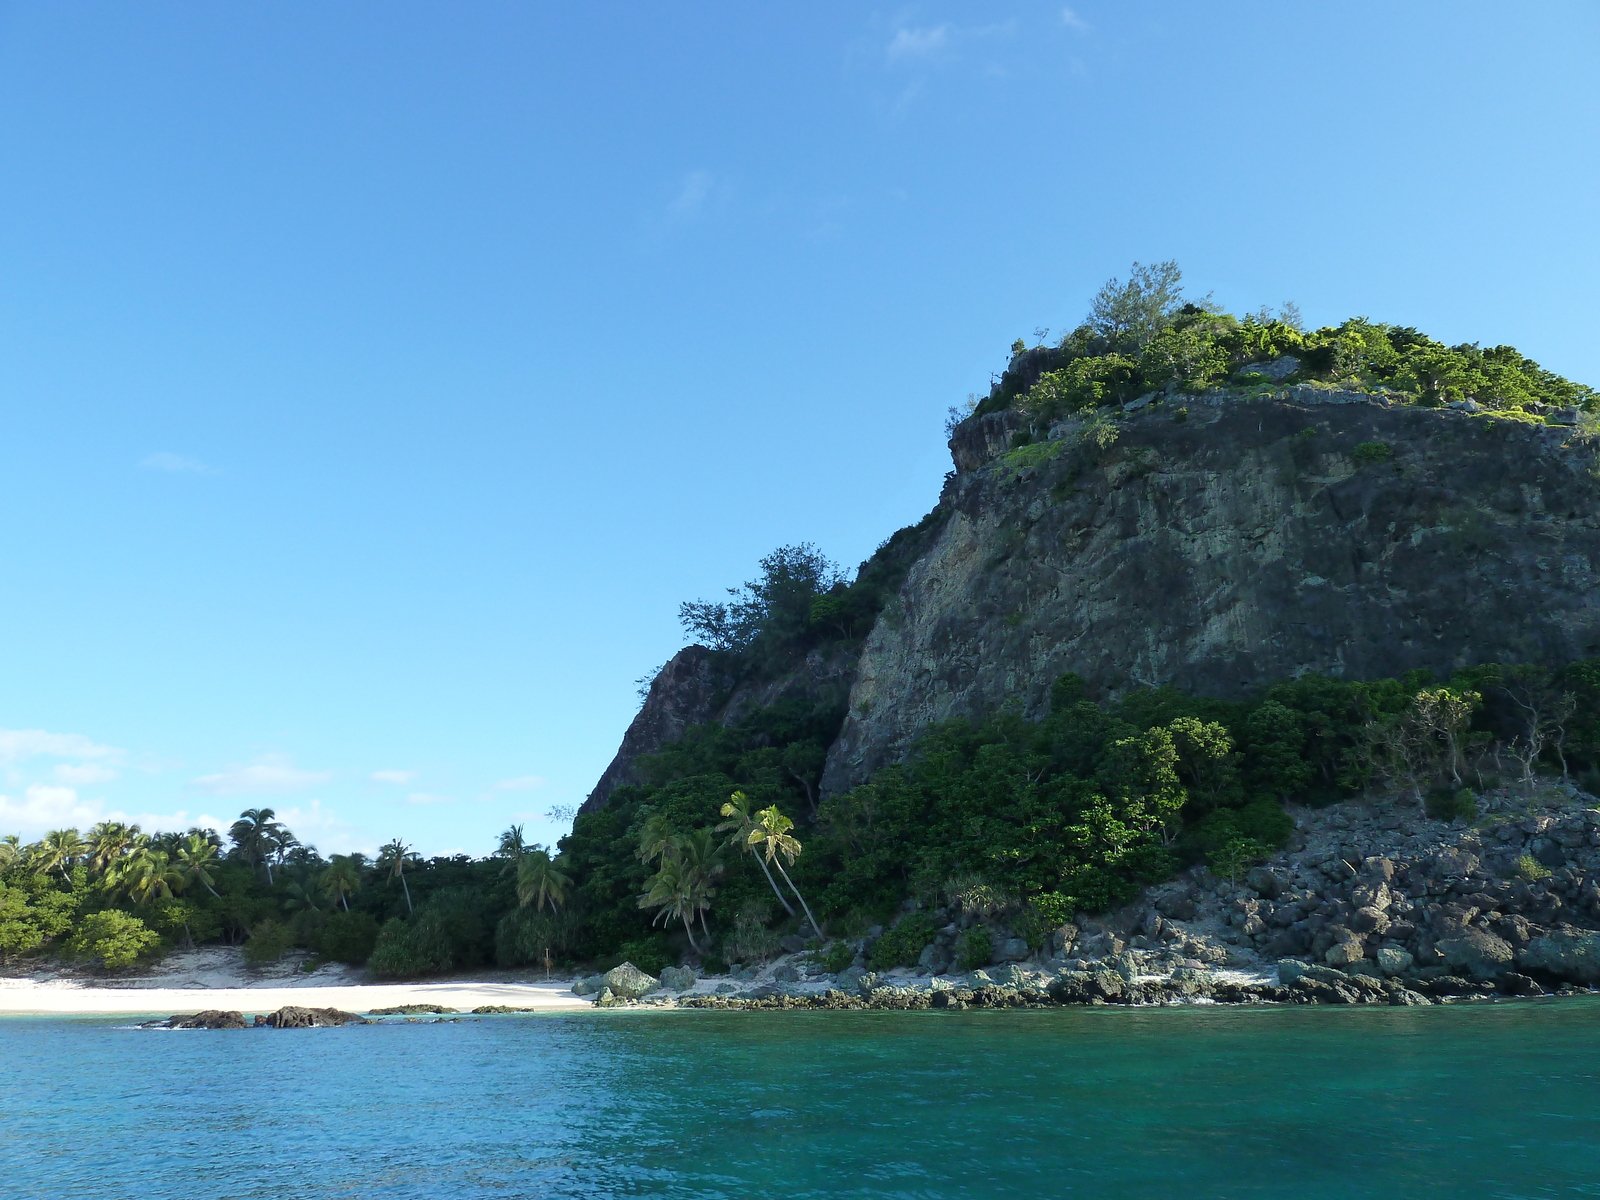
column 1565, row 954
column 679, row 978
column 628, row 982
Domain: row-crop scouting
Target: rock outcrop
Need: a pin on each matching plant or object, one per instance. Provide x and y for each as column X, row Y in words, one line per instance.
column 1217, row 543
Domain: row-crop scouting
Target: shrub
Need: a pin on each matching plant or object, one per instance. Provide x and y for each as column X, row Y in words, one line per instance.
column 1530, row 869
column 1445, row 804
column 1236, row 856
column 347, row 937
column 902, row 945
column 1373, row 452
column 652, row 954
column 269, row 941
column 835, row 957
column 408, row 948
column 116, row 938
column 974, row 948
column 750, row 940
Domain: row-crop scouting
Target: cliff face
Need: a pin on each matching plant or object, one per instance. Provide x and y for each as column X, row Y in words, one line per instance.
column 1253, row 540
column 1218, row 547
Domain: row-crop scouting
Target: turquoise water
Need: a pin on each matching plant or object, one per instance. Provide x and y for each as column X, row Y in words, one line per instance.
column 1489, row 1102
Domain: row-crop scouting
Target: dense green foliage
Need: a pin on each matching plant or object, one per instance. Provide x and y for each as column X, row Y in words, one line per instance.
column 1142, row 338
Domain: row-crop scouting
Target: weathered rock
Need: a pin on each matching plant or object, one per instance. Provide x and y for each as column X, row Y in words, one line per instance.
column 1342, row 954
column 679, row 979
column 1179, row 907
column 294, row 1017
column 1480, row 954
column 1392, row 961
column 1011, row 975
column 1010, row 950
column 1264, row 881
column 628, row 982
column 785, row 973
column 409, row 1010
column 791, row 943
column 210, row 1018
column 1564, row 954
column 1277, row 370
column 588, row 985
column 490, row 1009
column 1290, row 969
column 607, row 998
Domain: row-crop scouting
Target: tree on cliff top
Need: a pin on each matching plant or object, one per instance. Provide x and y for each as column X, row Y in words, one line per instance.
column 771, row 612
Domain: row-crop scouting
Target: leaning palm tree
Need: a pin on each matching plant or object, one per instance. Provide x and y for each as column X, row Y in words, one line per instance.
column 195, row 858
column 679, row 893
column 772, row 838
column 738, row 827
column 59, row 850
column 539, row 881
column 393, row 858
column 699, row 854
column 10, row 849
column 342, row 878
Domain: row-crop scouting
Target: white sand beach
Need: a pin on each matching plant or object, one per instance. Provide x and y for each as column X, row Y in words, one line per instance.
column 218, row 978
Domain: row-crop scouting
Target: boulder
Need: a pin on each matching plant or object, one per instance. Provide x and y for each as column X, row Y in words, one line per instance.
column 1342, row 954
column 792, row 943
column 1011, row 975
column 410, row 1010
column 627, row 982
column 587, row 985
column 1369, row 920
column 934, row 958
column 1277, row 370
column 1178, row 908
column 1480, row 954
column 1290, row 969
column 1393, row 962
column 977, row 979
column 1565, row 954
column 1264, row 882
column 607, row 998
column 1010, row 950
column 1191, row 982
column 211, row 1018
column 294, row 1017
column 679, row 979
column 786, row 973
column 850, row 979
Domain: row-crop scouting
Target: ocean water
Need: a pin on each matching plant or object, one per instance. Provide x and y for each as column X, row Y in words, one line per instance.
column 1485, row 1102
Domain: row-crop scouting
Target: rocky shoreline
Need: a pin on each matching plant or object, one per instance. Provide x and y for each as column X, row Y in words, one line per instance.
column 1372, row 903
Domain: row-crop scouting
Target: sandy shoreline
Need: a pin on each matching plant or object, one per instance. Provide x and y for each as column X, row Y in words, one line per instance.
column 26, row 997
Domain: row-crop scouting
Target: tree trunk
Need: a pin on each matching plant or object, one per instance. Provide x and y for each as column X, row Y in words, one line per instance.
column 689, row 929
column 817, row 928
column 409, row 910
column 787, row 907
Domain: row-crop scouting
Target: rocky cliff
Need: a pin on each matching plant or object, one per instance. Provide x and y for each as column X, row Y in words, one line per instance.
column 1217, row 543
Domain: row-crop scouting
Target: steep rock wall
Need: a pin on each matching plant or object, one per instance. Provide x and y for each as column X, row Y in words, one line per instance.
column 1250, row 541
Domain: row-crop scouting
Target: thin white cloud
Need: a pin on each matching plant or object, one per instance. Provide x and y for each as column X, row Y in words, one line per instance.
column 429, row 798
column 692, row 196
column 17, row 745
column 400, row 777
column 918, row 43
column 43, row 807
column 1073, row 21
column 80, row 774
column 175, row 464
column 272, row 776
column 521, row 783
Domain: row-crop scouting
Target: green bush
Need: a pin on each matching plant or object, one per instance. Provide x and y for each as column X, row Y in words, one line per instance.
column 902, row 945
column 1531, row 870
column 652, row 955
column 347, row 937
column 269, row 941
column 1236, row 856
column 1448, row 804
column 1373, row 452
column 974, row 948
column 835, row 957
column 406, row 949
column 114, row 937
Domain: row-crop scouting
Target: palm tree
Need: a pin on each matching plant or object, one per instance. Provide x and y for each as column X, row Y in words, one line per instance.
column 698, row 852
column 342, row 878
column 195, row 857
column 540, row 880
column 256, row 837
column 511, row 844
column 738, row 827
column 151, row 875
column 59, row 850
column 109, row 841
column 303, row 896
column 10, row 849
column 679, row 893
column 771, row 835
column 655, row 838
column 393, row 857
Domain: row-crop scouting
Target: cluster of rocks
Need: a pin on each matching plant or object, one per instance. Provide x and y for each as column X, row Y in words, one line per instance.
column 288, row 1017
column 1371, row 904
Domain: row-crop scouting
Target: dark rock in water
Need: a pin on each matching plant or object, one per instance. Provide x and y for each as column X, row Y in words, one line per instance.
column 1480, row 954
column 1519, row 985
column 211, row 1018
column 406, row 1010
column 293, row 1017
column 483, row 1009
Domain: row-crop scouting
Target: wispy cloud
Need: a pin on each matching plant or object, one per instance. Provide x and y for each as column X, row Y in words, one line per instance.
column 918, row 43
column 521, row 783
column 175, row 464
column 271, row 776
column 43, row 807
column 693, row 195
column 400, row 777
column 17, row 745
column 429, row 798
column 1073, row 21
column 80, row 774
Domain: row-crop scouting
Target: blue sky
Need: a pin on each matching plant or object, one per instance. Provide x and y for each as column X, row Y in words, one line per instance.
column 377, row 378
